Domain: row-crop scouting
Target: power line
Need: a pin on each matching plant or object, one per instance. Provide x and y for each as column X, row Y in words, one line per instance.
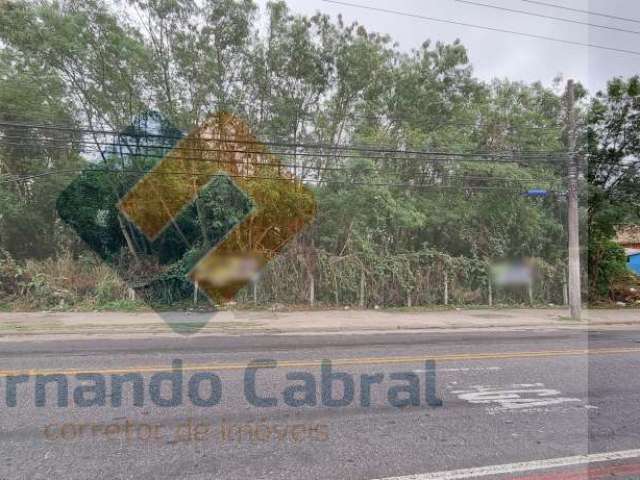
column 332, row 150
column 302, row 167
column 541, row 15
column 120, row 133
column 447, row 176
column 279, row 178
column 320, row 168
column 383, row 154
column 544, row 155
column 482, row 27
column 588, row 12
column 312, row 146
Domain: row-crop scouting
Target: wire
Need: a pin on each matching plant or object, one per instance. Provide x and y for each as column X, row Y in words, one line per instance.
column 257, row 177
column 540, row 15
column 329, row 147
column 18, row 178
column 588, row 12
column 482, row 27
column 242, row 163
column 360, row 149
column 63, row 144
column 371, row 153
column 301, row 167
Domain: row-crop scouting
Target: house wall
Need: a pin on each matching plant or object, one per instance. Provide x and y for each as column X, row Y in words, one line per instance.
column 634, row 263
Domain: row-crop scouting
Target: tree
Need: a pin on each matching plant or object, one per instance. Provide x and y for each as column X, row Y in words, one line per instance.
column 612, row 145
column 305, row 84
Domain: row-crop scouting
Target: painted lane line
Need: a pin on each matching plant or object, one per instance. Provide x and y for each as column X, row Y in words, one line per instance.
column 591, row 473
column 463, row 369
column 521, row 466
column 391, row 360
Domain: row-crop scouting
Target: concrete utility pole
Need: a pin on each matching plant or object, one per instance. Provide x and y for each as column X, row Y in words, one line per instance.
column 575, row 290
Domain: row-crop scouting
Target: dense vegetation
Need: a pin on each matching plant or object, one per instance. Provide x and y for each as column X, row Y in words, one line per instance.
column 394, row 226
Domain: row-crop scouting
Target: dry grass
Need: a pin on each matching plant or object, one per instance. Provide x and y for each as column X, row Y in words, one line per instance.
column 63, row 282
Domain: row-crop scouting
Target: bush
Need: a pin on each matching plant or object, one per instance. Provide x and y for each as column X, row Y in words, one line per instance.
column 59, row 283
column 607, row 268
column 13, row 279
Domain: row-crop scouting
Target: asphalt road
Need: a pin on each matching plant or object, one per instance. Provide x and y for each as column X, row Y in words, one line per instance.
column 507, row 397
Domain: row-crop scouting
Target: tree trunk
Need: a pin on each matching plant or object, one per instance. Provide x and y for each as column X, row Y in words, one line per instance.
column 202, row 221
column 127, row 237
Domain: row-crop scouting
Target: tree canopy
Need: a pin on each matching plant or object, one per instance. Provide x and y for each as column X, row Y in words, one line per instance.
column 408, row 153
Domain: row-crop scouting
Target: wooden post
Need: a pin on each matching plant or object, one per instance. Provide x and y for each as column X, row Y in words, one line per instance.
column 255, row 291
column 446, row 288
column 312, row 289
column 530, row 287
column 362, row 285
column 565, row 289
column 490, row 291
column 195, row 293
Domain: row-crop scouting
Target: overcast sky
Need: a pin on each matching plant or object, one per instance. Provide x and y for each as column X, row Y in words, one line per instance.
column 495, row 54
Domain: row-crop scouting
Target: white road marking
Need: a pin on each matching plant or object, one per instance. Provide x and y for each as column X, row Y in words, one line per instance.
column 463, row 369
column 521, row 466
column 513, row 397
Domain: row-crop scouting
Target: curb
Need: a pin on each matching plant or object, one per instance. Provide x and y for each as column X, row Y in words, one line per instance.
column 61, row 334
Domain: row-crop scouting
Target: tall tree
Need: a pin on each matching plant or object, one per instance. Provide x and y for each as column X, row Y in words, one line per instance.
column 612, row 146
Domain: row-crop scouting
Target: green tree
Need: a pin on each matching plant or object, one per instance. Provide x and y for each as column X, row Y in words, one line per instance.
column 612, row 146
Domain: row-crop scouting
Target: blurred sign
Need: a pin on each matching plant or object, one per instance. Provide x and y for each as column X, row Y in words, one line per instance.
column 536, row 192
column 506, row 274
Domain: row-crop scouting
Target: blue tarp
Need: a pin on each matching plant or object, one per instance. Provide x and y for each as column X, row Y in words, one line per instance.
column 634, row 263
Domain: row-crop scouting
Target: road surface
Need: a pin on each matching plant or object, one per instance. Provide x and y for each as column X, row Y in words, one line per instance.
column 521, row 404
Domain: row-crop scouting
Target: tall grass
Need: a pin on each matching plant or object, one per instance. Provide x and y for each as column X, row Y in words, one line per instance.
column 62, row 282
